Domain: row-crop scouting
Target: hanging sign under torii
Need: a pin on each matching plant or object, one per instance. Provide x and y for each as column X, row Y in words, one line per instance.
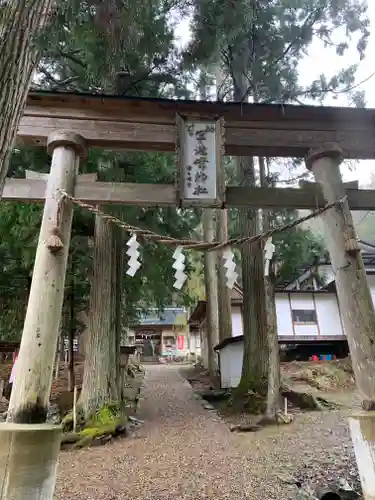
column 200, row 156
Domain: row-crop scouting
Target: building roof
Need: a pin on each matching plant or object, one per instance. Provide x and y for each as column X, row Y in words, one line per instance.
column 305, row 271
column 199, row 311
column 291, row 341
column 236, row 293
column 168, row 317
column 228, row 340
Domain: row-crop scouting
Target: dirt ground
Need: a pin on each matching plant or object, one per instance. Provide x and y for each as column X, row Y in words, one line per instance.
column 331, row 380
column 187, row 452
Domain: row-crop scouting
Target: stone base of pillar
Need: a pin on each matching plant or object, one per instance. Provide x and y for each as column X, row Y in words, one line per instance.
column 28, row 461
column 362, row 431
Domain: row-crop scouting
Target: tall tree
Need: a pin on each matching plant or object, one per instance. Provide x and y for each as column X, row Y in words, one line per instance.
column 99, row 384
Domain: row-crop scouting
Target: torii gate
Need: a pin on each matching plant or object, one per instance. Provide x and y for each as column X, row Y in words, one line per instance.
column 69, row 124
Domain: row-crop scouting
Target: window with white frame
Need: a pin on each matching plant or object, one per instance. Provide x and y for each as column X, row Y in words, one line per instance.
column 304, row 316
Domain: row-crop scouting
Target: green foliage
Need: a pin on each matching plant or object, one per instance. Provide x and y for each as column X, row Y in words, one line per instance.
column 295, row 248
column 262, row 43
column 17, row 249
column 115, row 47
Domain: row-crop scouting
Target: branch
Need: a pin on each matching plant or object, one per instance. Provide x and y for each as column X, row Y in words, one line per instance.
column 56, row 83
column 72, row 58
column 307, row 24
column 331, row 91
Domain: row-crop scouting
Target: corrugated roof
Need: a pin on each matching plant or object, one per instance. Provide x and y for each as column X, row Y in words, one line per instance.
column 236, row 293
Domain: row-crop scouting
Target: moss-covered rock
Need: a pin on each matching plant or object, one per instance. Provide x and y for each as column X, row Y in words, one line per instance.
column 104, row 424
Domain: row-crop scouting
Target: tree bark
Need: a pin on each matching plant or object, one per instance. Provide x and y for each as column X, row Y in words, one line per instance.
column 224, row 295
column 20, row 23
column 273, row 388
column 100, row 384
column 117, row 287
column 210, row 278
column 224, row 300
column 255, row 362
column 273, row 392
column 71, row 377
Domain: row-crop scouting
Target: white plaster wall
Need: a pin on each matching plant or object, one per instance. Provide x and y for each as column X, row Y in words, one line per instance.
column 284, row 315
column 328, row 315
column 303, row 301
column 326, row 307
column 231, row 357
column 204, row 351
column 237, row 322
column 196, row 343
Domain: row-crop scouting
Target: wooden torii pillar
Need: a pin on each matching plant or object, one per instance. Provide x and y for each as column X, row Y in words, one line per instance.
column 28, row 446
column 356, row 305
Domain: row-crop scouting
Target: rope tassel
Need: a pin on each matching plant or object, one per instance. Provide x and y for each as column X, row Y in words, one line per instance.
column 54, row 242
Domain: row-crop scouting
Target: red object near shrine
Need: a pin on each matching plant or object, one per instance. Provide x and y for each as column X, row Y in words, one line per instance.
column 180, row 342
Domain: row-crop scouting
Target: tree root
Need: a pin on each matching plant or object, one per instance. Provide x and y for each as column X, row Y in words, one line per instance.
column 307, row 401
column 245, row 428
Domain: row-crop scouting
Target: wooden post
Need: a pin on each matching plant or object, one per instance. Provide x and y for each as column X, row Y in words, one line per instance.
column 210, row 278
column 32, row 385
column 355, row 302
column 224, row 299
column 58, row 357
column 75, row 408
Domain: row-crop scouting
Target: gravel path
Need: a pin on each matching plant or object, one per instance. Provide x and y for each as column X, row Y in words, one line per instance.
column 186, row 452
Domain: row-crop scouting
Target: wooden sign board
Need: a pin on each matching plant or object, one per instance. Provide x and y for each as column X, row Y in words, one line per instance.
column 200, row 156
